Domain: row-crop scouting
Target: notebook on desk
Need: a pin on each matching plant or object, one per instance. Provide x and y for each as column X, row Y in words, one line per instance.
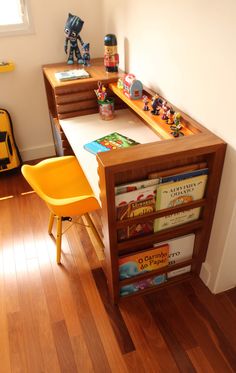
column 72, row 75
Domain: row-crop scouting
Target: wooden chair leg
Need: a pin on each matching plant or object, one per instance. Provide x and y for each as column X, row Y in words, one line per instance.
column 58, row 240
column 94, row 230
column 50, row 224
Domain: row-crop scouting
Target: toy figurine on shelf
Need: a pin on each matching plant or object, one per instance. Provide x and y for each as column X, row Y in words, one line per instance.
column 132, row 87
column 101, row 92
column 86, row 54
column 156, row 104
column 146, row 102
column 120, row 83
column 165, row 108
column 176, row 127
column 170, row 116
column 111, row 57
column 72, row 30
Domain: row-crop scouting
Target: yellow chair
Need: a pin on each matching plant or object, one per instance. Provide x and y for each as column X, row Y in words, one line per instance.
column 61, row 183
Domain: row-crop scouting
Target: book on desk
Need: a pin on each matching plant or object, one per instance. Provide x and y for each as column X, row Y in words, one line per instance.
column 74, row 74
column 111, row 141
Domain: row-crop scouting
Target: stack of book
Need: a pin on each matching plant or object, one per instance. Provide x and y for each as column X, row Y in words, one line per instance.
column 63, row 76
column 143, row 197
column 162, row 192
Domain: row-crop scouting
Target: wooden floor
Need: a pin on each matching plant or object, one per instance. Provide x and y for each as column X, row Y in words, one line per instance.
column 59, row 319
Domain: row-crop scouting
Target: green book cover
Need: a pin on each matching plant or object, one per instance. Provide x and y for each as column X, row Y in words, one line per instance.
column 110, row 142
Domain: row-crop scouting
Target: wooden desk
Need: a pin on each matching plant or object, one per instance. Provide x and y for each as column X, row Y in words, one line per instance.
column 134, row 164
column 81, row 130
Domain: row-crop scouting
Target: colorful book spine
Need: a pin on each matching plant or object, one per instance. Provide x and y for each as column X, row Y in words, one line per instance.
column 135, row 230
column 136, row 185
column 183, row 175
column 136, row 195
column 137, row 208
column 143, row 284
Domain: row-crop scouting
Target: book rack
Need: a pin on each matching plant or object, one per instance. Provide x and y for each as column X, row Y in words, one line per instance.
column 136, row 163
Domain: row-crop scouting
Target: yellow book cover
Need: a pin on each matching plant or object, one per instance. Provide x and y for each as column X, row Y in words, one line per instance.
column 177, row 193
column 136, row 208
column 144, row 261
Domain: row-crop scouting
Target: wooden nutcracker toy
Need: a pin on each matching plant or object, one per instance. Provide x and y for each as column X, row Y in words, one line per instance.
column 111, row 57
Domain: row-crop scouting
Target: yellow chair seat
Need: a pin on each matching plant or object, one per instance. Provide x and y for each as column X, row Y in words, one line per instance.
column 62, row 184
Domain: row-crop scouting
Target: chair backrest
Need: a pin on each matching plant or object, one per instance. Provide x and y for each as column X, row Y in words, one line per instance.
column 46, row 176
column 36, row 179
column 61, row 182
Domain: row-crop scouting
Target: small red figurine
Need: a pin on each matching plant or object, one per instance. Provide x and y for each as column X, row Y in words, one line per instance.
column 170, row 116
column 165, row 108
column 146, row 102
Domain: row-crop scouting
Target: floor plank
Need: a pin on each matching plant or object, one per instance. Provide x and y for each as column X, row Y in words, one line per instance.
column 58, row 318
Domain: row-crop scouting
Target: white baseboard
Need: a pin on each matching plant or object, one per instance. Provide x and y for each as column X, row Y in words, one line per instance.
column 205, row 273
column 37, row 152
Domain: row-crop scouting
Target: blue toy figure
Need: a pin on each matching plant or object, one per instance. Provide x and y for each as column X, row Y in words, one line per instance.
column 72, row 29
column 86, row 54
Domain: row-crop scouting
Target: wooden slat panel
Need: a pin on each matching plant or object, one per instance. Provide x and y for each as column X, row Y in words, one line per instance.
column 78, row 113
column 74, row 97
column 76, row 106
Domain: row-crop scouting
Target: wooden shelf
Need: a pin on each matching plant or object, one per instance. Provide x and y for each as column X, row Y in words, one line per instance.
column 154, row 121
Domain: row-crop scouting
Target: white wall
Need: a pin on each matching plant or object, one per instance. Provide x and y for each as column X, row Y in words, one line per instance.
column 183, row 49
column 186, row 51
column 22, row 91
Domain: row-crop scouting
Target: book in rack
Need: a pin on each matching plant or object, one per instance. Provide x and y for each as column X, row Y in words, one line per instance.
column 144, row 261
column 136, row 195
column 180, row 250
column 133, row 209
column 143, row 284
column 176, row 193
column 135, row 185
column 111, row 141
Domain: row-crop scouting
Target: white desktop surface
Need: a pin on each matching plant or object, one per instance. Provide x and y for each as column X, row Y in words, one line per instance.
column 84, row 129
